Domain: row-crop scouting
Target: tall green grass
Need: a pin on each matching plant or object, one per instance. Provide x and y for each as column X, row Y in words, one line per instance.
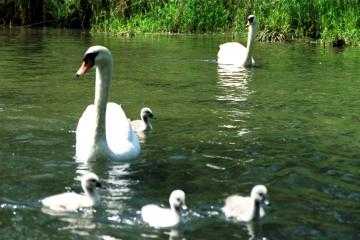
column 279, row 20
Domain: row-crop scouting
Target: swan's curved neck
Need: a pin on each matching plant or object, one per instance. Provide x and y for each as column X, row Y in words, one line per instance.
column 250, row 43
column 102, row 84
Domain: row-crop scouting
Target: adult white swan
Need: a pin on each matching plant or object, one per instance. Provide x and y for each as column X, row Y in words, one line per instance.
column 103, row 129
column 233, row 53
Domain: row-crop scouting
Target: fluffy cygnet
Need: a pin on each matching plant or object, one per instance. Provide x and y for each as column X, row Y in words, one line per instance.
column 159, row 217
column 144, row 124
column 71, row 201
column 245, row 209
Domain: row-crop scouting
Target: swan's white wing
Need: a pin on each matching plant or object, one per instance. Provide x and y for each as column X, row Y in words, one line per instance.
column 122, row 142
column 85, row 134
column 232, row 53
column 121, row 139
column 159, row 217
column 66, row 202
column 239, row 207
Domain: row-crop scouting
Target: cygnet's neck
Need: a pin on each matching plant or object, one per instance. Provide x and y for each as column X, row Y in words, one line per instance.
column 147, row 122
column 175, row 209
column 257, row 209
column 250, row 43
column 92, row 194
column 102, row 84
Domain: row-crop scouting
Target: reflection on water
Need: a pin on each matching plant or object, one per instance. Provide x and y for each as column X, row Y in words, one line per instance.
column 292, row 124
column 80, row 223
column 234, row 83
column 255, row 231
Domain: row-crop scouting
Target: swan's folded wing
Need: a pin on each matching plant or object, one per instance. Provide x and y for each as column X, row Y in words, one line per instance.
column 158, row 217
column 85, row 131
column 237, row 206
column 117, row 124
column 118, row 129
column 65, row 202
column 231, row 53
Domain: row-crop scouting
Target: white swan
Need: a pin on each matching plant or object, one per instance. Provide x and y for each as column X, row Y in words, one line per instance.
column 144, row 123
column 233, row 53
column 103, row 129
column 245, row 209
column 71, row 201
column 159, row 217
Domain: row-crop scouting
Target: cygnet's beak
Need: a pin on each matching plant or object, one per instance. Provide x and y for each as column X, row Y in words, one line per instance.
column 98, row 185
column 266, row 202
column 84, row 68
column 184, row 207
column 247, row 24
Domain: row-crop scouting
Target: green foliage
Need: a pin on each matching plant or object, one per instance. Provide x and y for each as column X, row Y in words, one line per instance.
column 279, row 20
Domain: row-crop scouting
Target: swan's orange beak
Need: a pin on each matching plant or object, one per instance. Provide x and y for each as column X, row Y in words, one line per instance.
column 84, row 68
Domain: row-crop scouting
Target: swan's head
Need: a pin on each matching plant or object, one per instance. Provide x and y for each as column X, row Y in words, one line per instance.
column 177, row 200
column 94, row 56
column 90, row 182
column 259, row 193
column 251, row 21
column 146, row 113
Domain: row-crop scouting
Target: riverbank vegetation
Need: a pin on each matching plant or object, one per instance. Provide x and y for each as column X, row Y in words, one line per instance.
column 279, row 20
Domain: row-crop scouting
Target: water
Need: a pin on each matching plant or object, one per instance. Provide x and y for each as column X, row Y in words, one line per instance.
column 292, row 124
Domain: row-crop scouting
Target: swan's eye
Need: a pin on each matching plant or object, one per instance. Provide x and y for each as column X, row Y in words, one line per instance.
column 90, row 58
column 250, row 19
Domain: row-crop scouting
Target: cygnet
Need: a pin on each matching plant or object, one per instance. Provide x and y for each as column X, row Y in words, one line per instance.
column 144, row 124
column 71, row 201
column 245, row 209
column 159, row 217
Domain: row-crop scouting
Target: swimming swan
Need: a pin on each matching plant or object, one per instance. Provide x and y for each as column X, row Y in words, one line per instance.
column 71, row 201
column 233, row 53
column 103, row 129
column 159, row 217
column 144, row 124
column 245, row 209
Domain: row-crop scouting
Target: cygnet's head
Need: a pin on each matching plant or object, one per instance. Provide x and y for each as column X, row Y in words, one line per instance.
column 251, row 21
column 90, row 182
column 94, row 56
column 146, row 113
column 177, row 200
column 259, row 193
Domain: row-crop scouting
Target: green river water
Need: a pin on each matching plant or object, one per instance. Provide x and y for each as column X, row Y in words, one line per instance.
column 292, row 123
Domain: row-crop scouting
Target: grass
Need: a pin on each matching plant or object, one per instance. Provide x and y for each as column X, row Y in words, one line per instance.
column 279, row 20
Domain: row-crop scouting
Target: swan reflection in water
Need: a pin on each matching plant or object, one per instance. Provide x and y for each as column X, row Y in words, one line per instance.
column 234, row 83
column 254, row 230
column 80, row 223
column 116, row 189
column 114, row 175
